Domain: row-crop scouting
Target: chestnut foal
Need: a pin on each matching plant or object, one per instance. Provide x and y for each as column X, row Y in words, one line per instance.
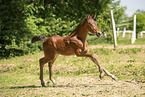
column 74, row 44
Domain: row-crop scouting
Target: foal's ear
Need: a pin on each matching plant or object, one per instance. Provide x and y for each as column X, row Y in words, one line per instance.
column 94, row 16
column 88, row 16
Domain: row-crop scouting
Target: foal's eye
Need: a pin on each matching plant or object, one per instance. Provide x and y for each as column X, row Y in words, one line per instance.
column 90, row 24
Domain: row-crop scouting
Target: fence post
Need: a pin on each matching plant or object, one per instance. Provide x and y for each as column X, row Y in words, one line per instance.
column 114, row 30
column 124, row 32
column 134, row 31
column 117, row 31
column 141, row 34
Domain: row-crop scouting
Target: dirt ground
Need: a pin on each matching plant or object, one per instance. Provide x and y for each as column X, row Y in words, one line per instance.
column 89, row 86
column 85, row 85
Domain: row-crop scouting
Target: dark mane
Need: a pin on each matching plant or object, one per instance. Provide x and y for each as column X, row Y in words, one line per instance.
column 77, row 27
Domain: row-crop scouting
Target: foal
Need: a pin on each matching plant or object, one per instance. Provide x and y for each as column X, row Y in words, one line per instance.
column 74, row 44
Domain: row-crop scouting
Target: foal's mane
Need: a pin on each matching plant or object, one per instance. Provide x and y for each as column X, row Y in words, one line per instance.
column 72, row 33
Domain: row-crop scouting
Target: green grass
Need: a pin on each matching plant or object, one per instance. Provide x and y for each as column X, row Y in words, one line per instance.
column 92, row 40
column 72, row 65
column 127, row 41
column 75, row 76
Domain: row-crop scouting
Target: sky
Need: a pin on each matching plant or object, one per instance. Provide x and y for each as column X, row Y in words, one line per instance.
column 133, row 5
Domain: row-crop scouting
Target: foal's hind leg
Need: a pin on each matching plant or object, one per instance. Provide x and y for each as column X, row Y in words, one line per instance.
column 50, row 64
column 42, row 61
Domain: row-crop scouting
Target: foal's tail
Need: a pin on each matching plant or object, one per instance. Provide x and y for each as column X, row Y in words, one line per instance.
column 38, row 38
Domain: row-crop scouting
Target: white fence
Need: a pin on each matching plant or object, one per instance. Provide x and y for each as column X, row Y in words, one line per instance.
column 129, row 31
column 141, row 33
column 124, row 31
column 114, row 30
column 133, row 32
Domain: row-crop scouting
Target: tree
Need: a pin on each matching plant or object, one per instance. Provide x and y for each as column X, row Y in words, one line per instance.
column 12, row 24
column 60, row 16
column 75, row 8
column 104, row 18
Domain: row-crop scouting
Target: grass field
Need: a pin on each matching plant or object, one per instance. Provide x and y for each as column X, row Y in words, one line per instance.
column 75, row 76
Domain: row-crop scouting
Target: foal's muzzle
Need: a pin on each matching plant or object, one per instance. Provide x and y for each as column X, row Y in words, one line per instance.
column 99, row 34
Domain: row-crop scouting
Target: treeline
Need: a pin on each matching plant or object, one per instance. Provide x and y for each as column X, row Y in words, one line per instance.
column 22, row 19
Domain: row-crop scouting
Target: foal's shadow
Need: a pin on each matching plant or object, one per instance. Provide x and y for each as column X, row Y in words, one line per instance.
column 29, row 86
column 67, row 85
column 39, row 86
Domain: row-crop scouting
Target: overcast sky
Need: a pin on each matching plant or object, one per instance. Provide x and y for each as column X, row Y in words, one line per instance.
column 133, row 5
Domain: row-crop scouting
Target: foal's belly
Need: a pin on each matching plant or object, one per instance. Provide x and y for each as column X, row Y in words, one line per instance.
column 66, row 51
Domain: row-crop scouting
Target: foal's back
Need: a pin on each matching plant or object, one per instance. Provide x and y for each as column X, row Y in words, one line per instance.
column 62, row 45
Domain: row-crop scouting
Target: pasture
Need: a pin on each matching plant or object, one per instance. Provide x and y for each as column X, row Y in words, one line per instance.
column 77, row 76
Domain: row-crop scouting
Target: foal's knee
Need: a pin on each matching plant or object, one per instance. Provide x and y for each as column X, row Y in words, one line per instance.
column 42, row 61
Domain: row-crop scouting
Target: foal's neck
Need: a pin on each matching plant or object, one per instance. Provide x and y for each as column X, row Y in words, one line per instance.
column 81, row 33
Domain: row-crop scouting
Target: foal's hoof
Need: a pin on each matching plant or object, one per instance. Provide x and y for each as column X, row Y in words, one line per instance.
column 114, row 78
column 43, row 84
column 84, row 51
column 54, row 84
column 101, row 75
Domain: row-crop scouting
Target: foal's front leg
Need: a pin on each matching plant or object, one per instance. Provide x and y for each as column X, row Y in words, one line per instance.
column 93, row 57
column 80, row 53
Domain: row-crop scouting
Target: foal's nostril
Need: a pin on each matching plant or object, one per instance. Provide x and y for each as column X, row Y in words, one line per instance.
column 99, row 33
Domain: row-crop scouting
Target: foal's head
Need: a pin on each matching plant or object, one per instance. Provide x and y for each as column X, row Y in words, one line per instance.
column 92, row 26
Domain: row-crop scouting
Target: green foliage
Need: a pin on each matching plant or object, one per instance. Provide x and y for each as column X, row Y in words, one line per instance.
column 59, row 26
column 32, row 26
column 49, row 25
column 76, row 9
column 104, row 20
column 119, row 11
column 12, row 24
